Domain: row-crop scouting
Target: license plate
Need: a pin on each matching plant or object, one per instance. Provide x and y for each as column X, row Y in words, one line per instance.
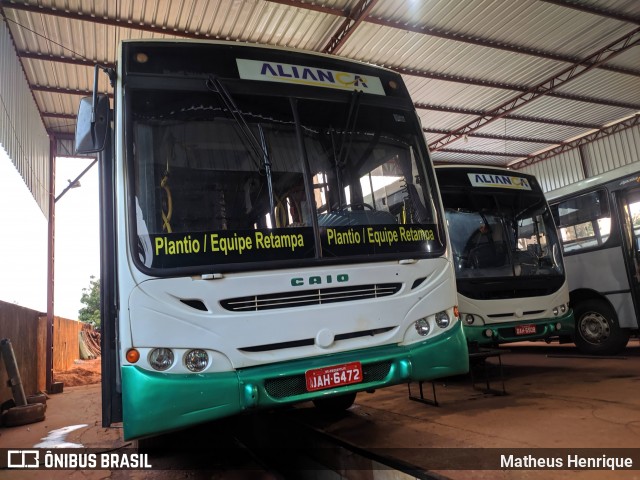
column 525, row 329
column 334, row 376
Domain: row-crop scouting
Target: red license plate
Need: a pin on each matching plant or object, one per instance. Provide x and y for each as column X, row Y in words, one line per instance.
column 334, row 376
column 525, row 329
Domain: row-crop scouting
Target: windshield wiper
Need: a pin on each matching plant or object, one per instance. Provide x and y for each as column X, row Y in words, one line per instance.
column 259, row 148
column 340, row 157
column 352, row 119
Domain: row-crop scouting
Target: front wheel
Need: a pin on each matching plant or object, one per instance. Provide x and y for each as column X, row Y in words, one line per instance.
column 597, row 329
column 335, row 404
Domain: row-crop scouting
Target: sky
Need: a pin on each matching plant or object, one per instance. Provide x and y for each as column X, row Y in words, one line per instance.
column 23, row 238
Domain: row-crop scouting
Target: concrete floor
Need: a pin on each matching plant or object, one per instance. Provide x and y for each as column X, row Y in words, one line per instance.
column 555, row 400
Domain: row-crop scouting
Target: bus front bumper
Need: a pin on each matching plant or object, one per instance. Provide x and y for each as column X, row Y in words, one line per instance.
column 155, row 402
column 498, row 333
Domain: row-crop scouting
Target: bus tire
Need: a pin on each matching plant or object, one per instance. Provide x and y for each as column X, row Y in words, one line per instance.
column 597, row 329
column 23, row 415
column 37, row 398
column 338, row 403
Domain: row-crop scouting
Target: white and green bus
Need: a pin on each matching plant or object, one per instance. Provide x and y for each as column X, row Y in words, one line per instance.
column 242, row 267
column 599, row 223
column 508, row 258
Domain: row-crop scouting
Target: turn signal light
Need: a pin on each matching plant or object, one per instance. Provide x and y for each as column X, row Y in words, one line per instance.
column 133, row 355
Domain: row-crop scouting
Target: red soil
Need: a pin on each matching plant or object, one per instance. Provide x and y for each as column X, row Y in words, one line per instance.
column 85, row 372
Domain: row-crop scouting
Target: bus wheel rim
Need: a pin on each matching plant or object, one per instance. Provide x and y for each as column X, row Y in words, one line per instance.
column 594, row 328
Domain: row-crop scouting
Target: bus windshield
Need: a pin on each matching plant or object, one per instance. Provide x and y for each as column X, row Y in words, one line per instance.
column 250, row 180
column 502, row 234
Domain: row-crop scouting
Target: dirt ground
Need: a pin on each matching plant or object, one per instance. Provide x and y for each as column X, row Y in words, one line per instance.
column 85, row 372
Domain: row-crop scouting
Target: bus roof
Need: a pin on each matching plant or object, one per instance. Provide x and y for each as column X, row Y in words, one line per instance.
column 467, row 167
column 205, row 41
column 601, row 179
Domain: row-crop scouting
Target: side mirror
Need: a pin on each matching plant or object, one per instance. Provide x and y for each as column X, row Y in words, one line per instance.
column 92, row 124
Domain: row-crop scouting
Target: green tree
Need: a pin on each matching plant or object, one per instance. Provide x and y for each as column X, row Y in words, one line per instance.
column 90, row 313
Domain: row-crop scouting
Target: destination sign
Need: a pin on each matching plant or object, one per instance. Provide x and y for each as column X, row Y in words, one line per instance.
column 499, row 181
column 304, row 75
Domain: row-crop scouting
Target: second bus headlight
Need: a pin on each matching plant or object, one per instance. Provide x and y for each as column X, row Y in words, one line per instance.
column 422, row 326
column 442, row 319
column 196, row 360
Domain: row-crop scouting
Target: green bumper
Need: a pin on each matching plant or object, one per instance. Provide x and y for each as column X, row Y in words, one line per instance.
column 155, row 402
column 505, row 332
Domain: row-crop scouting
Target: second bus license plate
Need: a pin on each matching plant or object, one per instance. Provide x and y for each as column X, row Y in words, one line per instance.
column 525, row 329
column 334, row 376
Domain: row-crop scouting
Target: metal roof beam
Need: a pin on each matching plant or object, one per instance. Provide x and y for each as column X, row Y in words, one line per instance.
column 507, row 138
column 566, row 146
column 45, row 57
column 64, row 91
column 482, row 152
column 61, row 135
column 522, row 118
column 354, row 18
column 603, row 12
column 311, row 6
column 64, row 116
column 568, row 74
column 508, row 86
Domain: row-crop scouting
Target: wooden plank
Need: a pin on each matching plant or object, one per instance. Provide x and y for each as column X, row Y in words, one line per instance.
column 20, row 325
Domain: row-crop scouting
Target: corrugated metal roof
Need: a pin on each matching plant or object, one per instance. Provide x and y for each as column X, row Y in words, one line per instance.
column 22, row 134
column 459, row 59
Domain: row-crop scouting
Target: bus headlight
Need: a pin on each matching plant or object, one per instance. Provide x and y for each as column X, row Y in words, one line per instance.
column 196, row 360
column 161, row 358
column 442, row 319
column 422, row 327
column 555, row 311
column 563, row 308
column 469, row 319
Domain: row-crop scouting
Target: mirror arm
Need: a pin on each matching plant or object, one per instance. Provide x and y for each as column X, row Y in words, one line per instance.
column 94, row 101
column 111, row 73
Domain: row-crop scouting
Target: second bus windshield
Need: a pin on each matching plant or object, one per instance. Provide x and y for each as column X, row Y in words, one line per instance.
column 501, row 234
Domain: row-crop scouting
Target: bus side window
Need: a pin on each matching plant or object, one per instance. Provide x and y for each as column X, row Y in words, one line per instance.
column 583, row 221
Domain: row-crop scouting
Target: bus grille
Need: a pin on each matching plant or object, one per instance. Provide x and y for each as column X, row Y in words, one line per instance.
column 513, row 314
column 311, row 341
column 306, row 298
column 284, row 387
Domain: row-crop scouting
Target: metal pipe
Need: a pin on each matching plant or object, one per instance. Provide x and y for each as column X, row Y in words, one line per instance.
column 94, row 102
column 73, row 182
column 15, row 382
column 51, row 263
